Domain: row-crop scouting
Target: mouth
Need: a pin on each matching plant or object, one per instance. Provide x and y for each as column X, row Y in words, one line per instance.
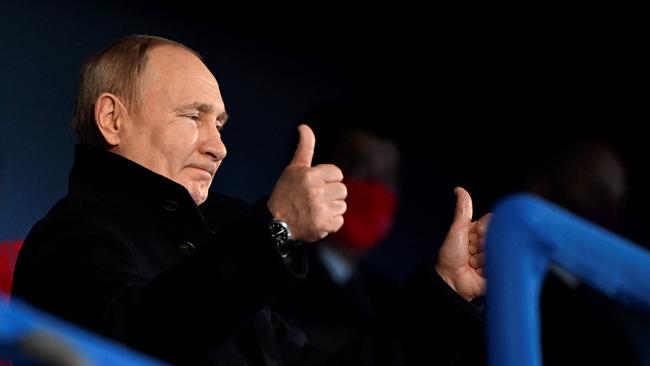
column 209, row 169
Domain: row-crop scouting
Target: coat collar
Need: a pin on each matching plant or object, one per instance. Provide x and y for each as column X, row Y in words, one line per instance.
column 120, row 182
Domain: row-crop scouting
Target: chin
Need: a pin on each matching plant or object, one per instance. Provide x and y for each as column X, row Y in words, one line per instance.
column 199, row 197
column 197, row 190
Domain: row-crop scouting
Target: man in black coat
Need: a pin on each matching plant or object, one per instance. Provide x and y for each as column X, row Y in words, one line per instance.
column 137, row 252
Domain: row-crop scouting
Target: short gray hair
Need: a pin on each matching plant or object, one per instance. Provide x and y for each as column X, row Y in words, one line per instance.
column 118, row 70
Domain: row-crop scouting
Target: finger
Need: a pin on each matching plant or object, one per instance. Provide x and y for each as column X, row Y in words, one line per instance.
column 338, row 207
column 477, row 247
column 476, row 243
column 478, row 233
column 335, row 191
column 480, row 271
column 477, row 260
column 305, row 149
column 463, row 214
column 330, row 172
column 481, row 226
column 336, row 223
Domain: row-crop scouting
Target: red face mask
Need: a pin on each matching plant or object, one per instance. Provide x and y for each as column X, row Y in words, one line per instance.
column 370, row 213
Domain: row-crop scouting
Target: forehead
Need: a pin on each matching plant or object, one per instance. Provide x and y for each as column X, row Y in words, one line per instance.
column 178, row 74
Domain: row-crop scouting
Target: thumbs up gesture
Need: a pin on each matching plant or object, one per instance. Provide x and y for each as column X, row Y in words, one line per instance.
column 311, row 200
column 461, row 256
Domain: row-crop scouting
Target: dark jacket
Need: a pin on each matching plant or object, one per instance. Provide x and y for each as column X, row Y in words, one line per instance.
column 422, row 321
column 128, row 254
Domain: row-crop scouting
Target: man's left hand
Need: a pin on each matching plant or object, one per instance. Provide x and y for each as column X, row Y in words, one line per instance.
column 461, row 257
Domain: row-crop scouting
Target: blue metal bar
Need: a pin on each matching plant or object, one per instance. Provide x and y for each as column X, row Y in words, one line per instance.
column 28, row 334
column 526, row 235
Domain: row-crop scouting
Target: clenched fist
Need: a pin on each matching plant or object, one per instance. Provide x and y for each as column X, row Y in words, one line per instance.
column 311, row 200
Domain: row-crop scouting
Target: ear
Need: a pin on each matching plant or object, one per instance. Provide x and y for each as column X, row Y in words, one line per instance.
column 109, row 116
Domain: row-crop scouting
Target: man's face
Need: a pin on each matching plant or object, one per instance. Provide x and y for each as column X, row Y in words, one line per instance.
column 175, row 132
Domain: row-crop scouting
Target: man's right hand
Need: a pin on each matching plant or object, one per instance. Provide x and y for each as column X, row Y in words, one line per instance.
column 311, row 200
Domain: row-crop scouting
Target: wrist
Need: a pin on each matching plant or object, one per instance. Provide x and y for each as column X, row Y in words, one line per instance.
column 282, row 237
column 445, row 275
column 451, row 278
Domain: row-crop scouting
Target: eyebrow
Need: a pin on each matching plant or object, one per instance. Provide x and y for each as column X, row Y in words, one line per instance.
column 204, row 108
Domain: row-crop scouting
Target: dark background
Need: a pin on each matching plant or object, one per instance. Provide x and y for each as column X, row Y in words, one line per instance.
column 473, row 100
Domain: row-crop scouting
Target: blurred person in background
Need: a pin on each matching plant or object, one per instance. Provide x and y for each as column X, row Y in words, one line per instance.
column 579, row 325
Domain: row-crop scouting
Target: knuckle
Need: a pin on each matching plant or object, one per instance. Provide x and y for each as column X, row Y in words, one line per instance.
column 319, row 211
column 314, row 194
column 310, row 175
column 323, row 226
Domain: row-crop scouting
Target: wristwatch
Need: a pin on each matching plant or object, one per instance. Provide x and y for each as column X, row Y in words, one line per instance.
column 281, row 237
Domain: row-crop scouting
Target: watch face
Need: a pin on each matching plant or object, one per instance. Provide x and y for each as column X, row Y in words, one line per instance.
column 281, row 235
column 279, row 232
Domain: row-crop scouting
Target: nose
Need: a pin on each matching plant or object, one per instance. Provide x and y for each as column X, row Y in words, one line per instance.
column 212, row 145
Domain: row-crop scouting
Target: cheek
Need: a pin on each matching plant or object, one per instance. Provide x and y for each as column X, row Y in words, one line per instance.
column 179, row 142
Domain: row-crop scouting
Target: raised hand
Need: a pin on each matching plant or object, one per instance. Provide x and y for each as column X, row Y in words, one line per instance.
column 461, row 257
column 311, row 200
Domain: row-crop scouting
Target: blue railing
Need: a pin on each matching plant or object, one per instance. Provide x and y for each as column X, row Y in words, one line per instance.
column 526, row 235
column 29, row 335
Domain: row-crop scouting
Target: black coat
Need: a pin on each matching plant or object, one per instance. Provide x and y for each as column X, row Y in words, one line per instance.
column 128, row 254
column 421, row 322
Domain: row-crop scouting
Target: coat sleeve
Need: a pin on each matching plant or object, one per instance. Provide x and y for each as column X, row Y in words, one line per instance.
column 423, row 322
column 432, row 324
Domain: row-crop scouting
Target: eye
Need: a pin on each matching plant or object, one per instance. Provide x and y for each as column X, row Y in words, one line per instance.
column 193, row 116
column 219, row 126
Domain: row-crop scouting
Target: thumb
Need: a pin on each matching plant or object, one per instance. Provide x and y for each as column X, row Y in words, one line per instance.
column 463, row 212
column 305, row 149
